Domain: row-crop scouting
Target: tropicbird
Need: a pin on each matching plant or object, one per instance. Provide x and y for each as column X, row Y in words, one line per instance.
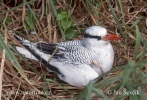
column 76, row 62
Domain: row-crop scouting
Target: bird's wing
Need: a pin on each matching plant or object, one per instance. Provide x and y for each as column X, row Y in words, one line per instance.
column 49, row 48
column 76, row 53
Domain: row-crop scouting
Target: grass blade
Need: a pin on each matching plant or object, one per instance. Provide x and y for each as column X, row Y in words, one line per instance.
column 56, row 14
column 12, row 58
column 28, row 65
column 136, row 21
column 107, row 82
column 100, row 92
column 1, row 71
column 127, row 71
column 138, row 41
column 142, row 94
column 115, row 17
column 143, row 52
column 14, row 8
column 33, row 13
column 49, row 80
column 91, row 5
column 86, row 93
column 129, row 91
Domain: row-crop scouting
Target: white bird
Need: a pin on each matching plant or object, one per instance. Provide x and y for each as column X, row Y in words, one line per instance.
column 76, row 62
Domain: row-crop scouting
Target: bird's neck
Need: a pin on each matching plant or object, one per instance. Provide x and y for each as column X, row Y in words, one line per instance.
column 97, row 47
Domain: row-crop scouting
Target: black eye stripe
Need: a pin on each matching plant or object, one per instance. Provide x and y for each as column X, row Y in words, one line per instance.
column 90, row 36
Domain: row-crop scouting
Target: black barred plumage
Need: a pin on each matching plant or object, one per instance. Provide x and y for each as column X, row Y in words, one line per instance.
column 72, row 50
column 77, row 42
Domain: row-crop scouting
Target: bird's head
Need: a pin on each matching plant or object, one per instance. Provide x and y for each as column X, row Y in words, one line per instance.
column 98, row 36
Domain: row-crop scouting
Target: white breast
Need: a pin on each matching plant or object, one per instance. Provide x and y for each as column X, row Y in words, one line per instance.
column 105, row 58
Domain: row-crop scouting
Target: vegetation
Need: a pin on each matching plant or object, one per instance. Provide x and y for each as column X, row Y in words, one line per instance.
column 60, row 20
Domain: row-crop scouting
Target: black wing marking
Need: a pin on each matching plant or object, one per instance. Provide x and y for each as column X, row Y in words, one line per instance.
column 50, row 48
column 47, row 48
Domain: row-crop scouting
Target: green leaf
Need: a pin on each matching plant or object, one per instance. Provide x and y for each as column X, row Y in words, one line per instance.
column 62, row 15
column 8, row 20
column 66, row 23
column 29, row 22
column 69, row 33
column 27, row 26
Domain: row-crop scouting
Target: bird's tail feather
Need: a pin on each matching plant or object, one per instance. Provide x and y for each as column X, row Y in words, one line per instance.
column 26, row 53
column 31, row 54
column 23, row 41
